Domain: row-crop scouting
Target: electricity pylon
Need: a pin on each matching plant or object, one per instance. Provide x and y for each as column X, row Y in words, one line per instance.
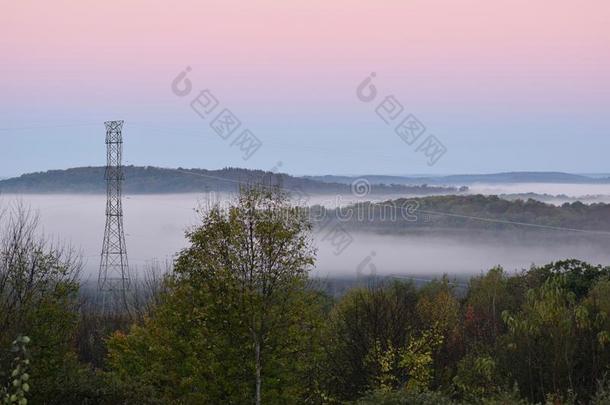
column 113, row 278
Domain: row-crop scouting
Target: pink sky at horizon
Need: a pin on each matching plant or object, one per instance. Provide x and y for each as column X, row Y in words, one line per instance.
column 116, row 42
column 488, row 62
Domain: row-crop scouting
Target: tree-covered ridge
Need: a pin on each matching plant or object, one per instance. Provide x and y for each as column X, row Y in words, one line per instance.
column 164, row 180
column 469, row 211
column 492, row 178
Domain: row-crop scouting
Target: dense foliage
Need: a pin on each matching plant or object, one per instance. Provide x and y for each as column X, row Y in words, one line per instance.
column 238, row 320
column 459, row 212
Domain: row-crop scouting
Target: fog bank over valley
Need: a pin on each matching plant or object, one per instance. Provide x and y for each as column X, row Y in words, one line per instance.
column 155, row 227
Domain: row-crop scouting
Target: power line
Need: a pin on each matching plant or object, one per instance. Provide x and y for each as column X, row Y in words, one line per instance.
column 470, row 217
column 29, row 128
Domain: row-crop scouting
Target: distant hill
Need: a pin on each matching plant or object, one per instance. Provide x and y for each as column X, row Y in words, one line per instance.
column 468, row 179
column 142, row 180
column 473, row 212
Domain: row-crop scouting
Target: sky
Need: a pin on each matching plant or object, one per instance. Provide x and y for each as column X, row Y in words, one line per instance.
column 504, row 85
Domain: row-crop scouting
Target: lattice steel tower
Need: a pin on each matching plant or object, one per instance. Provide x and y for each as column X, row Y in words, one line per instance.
column 114, row 267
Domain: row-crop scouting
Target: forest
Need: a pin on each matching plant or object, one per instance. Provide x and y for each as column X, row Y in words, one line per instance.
column 466, row 212
column 237, row 319
column 158, row 180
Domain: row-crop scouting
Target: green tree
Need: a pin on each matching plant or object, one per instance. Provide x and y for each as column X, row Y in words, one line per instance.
column 438, row 310
column 544, row 336
column 238, row 322
column 19, row 382
column 488, row 296
column 557, row 343
column 38, row 298
column 579, row 277
column 368, row 327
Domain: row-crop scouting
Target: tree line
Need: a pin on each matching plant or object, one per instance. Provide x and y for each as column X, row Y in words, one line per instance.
column 465, row 212
column 149, row 179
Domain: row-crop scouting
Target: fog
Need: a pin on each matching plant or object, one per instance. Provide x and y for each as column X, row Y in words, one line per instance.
column 435, row 255
column 570, row 190
column 155, row 226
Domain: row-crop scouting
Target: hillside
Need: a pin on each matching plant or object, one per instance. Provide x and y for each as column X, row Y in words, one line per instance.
column 461, row 179
column 474, row 212
column 155, row 180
